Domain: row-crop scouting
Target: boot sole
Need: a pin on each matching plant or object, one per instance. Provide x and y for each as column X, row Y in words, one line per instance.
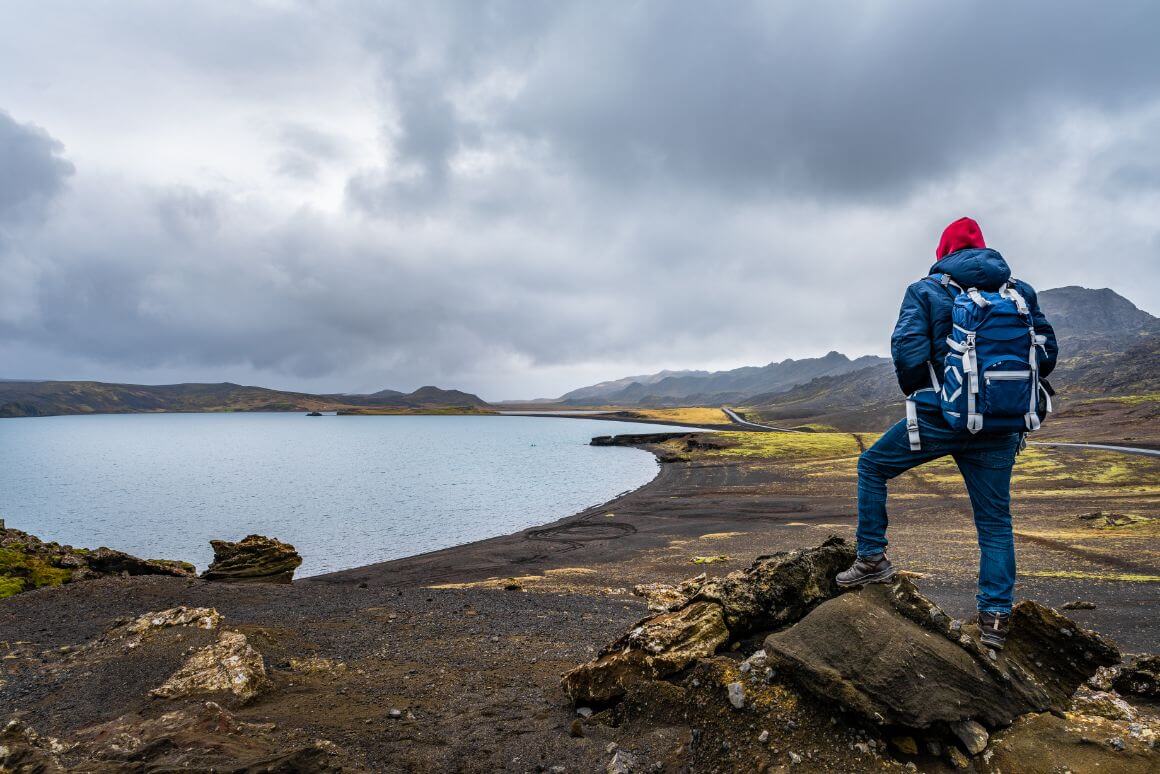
column 990, row 643
column 878, row 577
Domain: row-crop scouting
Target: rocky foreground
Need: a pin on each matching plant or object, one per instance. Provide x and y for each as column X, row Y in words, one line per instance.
column 774, row 665
column 452, row 661
column 767, row 669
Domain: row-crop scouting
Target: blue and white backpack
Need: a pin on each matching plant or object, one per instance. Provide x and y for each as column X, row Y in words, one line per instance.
column 990, row 375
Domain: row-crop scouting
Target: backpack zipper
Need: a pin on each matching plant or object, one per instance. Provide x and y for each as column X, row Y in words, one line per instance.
column 1007, row 375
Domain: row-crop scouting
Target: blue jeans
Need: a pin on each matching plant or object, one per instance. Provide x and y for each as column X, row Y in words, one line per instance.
column 985, row 462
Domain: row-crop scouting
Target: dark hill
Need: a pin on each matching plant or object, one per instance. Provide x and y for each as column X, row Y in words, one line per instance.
column 32, row 398
column 1085, row 315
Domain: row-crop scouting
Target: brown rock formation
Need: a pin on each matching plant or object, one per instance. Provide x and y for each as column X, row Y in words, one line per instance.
column 773, row 590
column 254, row 559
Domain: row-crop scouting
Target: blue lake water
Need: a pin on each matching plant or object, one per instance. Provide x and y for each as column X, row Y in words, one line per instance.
column 346, row 491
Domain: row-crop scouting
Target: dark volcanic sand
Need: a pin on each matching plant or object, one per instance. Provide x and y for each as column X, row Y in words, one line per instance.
column 477, row 666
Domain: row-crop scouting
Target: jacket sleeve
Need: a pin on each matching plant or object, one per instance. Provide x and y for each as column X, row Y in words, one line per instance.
column 910, row 346
column 1050, row 352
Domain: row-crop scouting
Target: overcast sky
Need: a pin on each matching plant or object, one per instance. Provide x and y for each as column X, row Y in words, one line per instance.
column 519, row 198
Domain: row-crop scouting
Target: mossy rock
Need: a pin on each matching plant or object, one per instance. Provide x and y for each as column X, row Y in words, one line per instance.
column 20, row 571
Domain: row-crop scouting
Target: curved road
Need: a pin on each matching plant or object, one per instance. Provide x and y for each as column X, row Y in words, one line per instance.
column 1103, row 446
column 736, row 419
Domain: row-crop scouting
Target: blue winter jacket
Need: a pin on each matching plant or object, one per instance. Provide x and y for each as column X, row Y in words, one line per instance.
column 924, row 322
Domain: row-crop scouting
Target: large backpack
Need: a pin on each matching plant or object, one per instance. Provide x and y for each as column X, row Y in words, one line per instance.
column 990, row 375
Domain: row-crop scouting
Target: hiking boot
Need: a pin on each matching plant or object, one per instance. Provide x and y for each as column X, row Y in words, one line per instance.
column 993, row 628
column 867, row 569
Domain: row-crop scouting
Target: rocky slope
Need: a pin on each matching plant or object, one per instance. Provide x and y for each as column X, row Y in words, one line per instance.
column 1098, row 318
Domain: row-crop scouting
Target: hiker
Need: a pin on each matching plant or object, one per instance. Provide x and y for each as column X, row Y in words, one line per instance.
column 964, row 400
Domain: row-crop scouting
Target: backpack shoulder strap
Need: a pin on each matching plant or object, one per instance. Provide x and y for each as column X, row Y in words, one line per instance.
column 1009, row 291
column 946, row 283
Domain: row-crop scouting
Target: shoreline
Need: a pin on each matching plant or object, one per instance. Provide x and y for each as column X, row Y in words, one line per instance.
column 531, row 547
column 537, row 519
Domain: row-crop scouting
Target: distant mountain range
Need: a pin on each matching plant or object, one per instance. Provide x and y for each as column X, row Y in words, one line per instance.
column 1108, row 347
column 36, row 398
column 668, row 388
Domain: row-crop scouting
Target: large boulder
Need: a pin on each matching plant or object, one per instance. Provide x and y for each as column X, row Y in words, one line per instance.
column 774, row 590
column 228, row 666
column 889, row 654
column 254, row 559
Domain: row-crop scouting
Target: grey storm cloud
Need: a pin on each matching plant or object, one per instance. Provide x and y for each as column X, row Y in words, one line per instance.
column 792, row 99
column 32, row 170
column 556, row 193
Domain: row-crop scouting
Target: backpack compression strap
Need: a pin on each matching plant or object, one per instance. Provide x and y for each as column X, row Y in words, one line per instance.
column 1031, row 418
column 912, row 433
column 912, row 426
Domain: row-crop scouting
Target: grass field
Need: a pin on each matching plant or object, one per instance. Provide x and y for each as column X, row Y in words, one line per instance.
column 695, row 415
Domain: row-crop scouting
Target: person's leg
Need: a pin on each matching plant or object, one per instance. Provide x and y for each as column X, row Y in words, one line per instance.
column 889, row 457
column 986, row 467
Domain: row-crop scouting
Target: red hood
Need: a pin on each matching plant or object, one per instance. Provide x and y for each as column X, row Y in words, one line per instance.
column 964, row 232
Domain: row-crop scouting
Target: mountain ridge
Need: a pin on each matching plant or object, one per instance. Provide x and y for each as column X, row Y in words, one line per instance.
column 688, row 387
column 51, row 398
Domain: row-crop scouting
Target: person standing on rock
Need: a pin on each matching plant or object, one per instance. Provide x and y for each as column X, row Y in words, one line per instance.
column 923, row 337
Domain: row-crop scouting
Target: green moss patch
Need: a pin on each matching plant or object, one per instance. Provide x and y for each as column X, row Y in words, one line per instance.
column 787, row 446
column 20, row 571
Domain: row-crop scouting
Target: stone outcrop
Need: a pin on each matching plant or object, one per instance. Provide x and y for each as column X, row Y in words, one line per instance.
column 200, row 617
column 887, row 653
column 1140, row 676
column 254, row 559
column 657, row 647
column 227, row 666
column 107, row 561
column 663, row 597
column 27, row 562
column 636, row 439
column 779, row 589
column 848, row 680
column 774, row 590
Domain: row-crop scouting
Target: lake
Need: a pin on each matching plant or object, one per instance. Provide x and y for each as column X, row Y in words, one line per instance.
column 346, row 491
